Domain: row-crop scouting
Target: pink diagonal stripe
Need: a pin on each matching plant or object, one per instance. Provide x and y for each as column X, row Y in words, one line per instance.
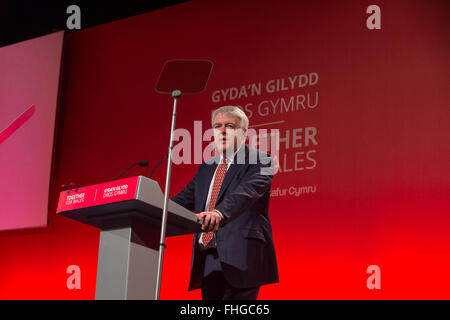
column 16, row 124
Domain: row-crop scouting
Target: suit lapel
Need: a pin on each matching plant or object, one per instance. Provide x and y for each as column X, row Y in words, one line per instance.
column 231, row 172
column 205, row 182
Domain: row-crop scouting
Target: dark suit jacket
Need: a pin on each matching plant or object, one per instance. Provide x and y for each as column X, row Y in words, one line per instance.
column 244, row 240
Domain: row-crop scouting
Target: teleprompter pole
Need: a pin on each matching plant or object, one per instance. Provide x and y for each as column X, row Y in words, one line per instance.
column 175, row 94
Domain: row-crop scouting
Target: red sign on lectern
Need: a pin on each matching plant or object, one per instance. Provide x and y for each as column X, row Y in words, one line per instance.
column 98, row 194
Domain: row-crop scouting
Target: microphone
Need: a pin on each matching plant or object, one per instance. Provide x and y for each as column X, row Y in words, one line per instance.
column 141, row 164
column 157, row 165
column 71, row 185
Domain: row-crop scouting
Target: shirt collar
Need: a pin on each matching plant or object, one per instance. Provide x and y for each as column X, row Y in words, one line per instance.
column 230, row 158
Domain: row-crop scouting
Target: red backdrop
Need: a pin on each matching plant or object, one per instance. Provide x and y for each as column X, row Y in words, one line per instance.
column 378, row 169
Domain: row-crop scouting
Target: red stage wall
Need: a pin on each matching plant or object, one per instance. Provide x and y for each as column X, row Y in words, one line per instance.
column 371, row 188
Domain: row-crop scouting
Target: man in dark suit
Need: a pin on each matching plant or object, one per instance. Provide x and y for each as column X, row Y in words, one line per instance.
column 235, row 254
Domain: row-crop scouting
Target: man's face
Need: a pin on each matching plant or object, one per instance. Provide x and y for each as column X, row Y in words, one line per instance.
column 228, row 135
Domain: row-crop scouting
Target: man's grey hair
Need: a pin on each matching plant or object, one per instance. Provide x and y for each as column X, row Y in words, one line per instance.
column 232, row 111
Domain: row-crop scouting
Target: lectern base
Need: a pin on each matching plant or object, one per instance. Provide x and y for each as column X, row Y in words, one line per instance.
column 127, row 269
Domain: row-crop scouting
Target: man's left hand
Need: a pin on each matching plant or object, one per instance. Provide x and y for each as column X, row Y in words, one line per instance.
column 211, row 220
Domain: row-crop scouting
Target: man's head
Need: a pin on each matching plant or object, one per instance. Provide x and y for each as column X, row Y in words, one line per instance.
column 230, row 124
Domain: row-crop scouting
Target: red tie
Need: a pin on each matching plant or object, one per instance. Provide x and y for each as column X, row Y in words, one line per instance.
column 220, row 174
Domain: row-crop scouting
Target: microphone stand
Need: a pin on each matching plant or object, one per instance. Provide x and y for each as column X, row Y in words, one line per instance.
column 157, row 165
column 118, row 176
column 175, row 94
